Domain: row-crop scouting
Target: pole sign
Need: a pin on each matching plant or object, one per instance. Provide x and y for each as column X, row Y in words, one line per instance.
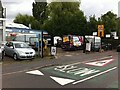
column 100, row 30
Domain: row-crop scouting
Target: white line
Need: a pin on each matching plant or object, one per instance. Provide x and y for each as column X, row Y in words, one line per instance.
column 14, row 72
column 88, row 60
column 68, row 55
column 94, row 75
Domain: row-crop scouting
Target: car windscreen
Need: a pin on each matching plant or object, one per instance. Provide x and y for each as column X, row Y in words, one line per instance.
column 21, row 45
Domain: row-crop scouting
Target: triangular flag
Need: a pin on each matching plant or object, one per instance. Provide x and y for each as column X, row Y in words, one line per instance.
column 62, row 81
column 35, row 72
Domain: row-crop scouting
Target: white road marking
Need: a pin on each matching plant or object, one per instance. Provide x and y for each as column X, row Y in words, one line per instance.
column 94, row 75
column 62, row 81
column 14, row 72
column 35, row 72
column 68, row 55
column 89, row 60
column 100, row 63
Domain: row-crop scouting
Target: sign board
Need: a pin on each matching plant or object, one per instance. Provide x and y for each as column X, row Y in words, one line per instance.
column 100, row 30
column 114, row 34
column 65, row 39
column 88, row 46
column 53, row 50
column 116, row 38
column 107, row 35
column 94, row 33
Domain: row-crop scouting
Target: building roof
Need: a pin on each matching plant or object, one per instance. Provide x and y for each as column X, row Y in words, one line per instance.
column 16, row 25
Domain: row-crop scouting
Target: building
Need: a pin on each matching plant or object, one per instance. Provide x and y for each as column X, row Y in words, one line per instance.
column 22, row 29
column 14, row 30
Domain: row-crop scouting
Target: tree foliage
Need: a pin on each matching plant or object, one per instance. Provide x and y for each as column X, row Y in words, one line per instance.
column 65, row 18
column 39, row 11
column 27, row 20
column 109, row 20
column 23, row 19
column 62, row 18
column 92, row 25
column 118, row 26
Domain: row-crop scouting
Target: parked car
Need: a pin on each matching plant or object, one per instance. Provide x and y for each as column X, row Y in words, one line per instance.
column 19, row 50
column 106, row 46
column 118, row 48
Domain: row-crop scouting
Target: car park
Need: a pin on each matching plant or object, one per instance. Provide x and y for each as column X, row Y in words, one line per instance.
column 19, row 50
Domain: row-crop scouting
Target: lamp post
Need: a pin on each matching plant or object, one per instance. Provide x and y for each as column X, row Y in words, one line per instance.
column 2, row 22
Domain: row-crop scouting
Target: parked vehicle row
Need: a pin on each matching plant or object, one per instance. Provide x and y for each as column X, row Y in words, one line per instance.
column 72, row 42
column 21, row 50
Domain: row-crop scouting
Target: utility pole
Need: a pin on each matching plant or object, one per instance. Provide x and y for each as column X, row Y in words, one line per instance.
column 42, row 44
column 2, row 22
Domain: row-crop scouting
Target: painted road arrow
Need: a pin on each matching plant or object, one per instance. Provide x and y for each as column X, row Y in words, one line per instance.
column 62, row 81
column 35, row 72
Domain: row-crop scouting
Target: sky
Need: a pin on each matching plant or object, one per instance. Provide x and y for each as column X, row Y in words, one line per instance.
column 89, row 7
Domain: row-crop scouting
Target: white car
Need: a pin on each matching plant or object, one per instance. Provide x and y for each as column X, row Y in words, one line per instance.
column 19, row 50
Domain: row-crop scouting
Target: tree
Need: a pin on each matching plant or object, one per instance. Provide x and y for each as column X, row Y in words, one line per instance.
column 109, row 20
column 39, row 11
column 26, row 20
column 23, row 19
column 65, row 18
column 92, row 25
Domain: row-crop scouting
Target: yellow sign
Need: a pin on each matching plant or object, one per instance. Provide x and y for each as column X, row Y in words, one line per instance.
column 100, row 30
column 65, row 39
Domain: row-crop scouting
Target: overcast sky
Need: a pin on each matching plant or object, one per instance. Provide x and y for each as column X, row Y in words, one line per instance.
column 89, row 7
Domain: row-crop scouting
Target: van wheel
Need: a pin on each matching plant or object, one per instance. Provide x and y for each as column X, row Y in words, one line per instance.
column 15, row 56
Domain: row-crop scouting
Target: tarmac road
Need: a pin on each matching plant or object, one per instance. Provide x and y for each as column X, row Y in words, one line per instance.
column 17, row 74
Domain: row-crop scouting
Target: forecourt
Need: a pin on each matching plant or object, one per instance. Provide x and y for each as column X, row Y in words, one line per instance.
column 79, row 72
